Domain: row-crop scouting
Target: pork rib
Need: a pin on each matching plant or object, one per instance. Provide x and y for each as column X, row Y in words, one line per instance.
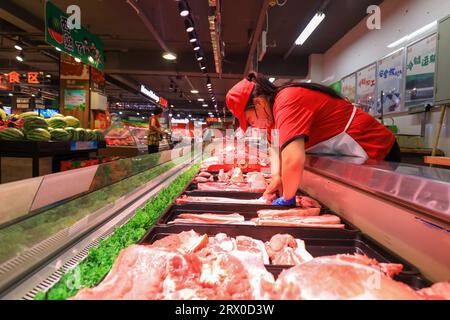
column 297, row 212
column 187, row 199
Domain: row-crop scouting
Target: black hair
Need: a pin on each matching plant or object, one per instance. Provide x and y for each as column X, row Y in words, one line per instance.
column 157, row 111
column 267, row 89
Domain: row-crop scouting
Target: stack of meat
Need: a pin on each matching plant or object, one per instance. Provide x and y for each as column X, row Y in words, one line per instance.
column 302, row 201
column 234, row 180
column 193, row 266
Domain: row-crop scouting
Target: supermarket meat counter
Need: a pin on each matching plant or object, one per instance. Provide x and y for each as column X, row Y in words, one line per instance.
column 370, row 230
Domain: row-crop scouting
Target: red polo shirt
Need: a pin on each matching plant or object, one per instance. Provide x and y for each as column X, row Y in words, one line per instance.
column 317, row 117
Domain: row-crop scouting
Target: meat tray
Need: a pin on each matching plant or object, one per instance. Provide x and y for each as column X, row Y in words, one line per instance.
column 318, row 242
column 249, row 212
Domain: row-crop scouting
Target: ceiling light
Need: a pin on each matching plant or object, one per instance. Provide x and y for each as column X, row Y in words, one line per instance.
column 91, row 60
column 169, row 56
column 196, row 47
column 138, row 114
column 10, row 94
column 200, row 99
column 48, row 76
column 193, row 91
column 33, row 95
column 120, row 112
column 312, row 25
column 77, row 60
column 18, row 46
column 143, row 117
column 58, row 49
column 413, row 35
column 192, row 37
column 272, row 80
column 190, row 116
column 170, row 114
column 184, row 10
column 203, row 67
column 189, row 25
column 205, row 105
column 199, row 57
column 20, row 57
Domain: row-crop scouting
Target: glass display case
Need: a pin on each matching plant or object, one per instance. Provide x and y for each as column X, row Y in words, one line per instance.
column 119, row 134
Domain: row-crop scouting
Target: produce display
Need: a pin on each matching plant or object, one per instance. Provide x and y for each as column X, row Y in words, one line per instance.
column 32, row 127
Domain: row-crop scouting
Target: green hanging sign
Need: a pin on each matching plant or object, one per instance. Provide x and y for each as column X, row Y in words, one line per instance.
column 337, row 86
column 79, row 43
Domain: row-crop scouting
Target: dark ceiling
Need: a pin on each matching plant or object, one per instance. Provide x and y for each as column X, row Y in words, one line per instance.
column 133, row 55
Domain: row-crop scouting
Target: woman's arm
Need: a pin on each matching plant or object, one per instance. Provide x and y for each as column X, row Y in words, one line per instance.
column 275, row 185
column 154, row 128
column 292, row 165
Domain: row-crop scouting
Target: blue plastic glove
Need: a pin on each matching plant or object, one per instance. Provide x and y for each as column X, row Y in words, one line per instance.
column 286, row 203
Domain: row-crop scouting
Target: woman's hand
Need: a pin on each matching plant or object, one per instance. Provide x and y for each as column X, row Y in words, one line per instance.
column 275, row 187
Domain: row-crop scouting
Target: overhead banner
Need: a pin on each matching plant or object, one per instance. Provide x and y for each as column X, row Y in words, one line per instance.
column 390, row 82
column 366, row 89
column 420, row 69
column 348, row 85
column 79, row 43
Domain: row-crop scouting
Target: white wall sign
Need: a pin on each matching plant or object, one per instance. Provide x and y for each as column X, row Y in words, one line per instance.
column 149, row 93
column 390, row 81
column 366, row 89
column 420, row 67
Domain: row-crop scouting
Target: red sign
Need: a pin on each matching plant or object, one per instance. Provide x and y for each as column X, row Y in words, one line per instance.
column 15, row 77
column 163, row 102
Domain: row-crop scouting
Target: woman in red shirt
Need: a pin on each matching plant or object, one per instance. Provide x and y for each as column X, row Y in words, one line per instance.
column 308, row 118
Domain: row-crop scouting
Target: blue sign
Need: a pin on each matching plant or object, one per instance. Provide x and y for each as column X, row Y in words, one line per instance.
column 83, row 145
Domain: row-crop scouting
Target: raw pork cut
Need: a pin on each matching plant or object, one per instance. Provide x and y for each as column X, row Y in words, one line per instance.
column 323, row 221
column 307, row 202
column 340, row 277
column 283, row 249
column 186, row 242
column 297, row 212
column 438, row 291
column 221, row 186
column 209, row 218
column 187, row 199
column 200, row 179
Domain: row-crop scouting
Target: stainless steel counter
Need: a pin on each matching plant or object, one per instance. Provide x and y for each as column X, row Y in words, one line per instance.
column 420, row 188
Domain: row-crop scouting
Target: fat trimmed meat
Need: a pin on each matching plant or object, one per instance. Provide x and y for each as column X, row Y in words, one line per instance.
column 340, row 277
column 283, row 249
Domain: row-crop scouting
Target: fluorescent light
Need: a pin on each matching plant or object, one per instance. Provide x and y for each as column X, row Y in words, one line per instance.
column 77, row 60
column 200, row 99
column 312, row 25
column 169, row 56
column 193, row 91
column 413, row 35
column 272, row 80
column 205, row 105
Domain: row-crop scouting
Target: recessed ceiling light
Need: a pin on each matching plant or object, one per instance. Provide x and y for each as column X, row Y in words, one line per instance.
column 193, row 91
column 169, row 56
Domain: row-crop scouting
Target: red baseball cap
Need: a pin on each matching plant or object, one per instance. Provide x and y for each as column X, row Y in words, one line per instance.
column 237, row 99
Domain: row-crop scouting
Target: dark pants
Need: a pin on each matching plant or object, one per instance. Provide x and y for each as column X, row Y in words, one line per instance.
column 394, row 155
column 153, row 149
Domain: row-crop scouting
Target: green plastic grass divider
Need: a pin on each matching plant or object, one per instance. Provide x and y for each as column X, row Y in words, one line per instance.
column 100, row 259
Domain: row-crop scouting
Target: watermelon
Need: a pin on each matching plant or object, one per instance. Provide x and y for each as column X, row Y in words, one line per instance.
column 60, row 135
column 81, row 134
column 99, row 135
column 71, row 132
column 57, row 115
column 38, row 135
column 11, row 134
column 90, row 135
column 32, row 123
column 57, row 123
column 72, row 122
column 3, row 115
column 28, row 114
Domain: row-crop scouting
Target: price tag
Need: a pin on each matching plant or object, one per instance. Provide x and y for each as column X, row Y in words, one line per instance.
column 83, row 145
